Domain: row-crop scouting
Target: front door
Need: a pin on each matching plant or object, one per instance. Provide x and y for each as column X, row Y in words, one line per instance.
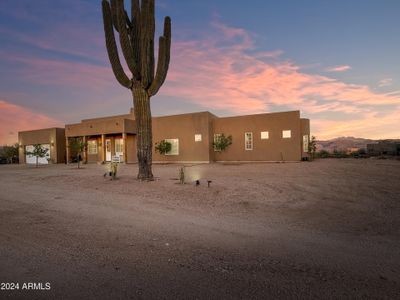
column 108, row 150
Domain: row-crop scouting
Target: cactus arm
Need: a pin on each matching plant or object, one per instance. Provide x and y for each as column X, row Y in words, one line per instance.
column 135, row 31
column 152, row 29
column 125, row 41
column 164, row 51
column 144, row 41
column 147, row 42
column 135, row 10
column 128, row 21
column 112, row 47
column 113, row 4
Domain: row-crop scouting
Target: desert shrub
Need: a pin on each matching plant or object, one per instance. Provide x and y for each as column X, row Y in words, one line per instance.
column 339, row 154
column 9, row 154
column 182, row 175
column 163, row 147
column 222, row 142
column 361, row 153
column 323, row 154
column 312, row 147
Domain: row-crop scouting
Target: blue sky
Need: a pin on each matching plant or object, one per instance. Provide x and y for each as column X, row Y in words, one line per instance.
column 336, row 61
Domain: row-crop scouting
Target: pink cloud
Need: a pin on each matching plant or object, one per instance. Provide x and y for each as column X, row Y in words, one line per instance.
column 385, row 82
column 224, row 71
column 240, row 80
column 61, row 73
column 339, row 68
column 14, row 118
column 371, row 125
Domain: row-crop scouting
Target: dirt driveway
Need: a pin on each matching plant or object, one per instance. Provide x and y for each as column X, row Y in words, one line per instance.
column 329, row 229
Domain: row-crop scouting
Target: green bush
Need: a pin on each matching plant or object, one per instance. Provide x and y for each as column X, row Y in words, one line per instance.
column 163, row 147
column 323, row 154
column 222, row 142
column 9, row 154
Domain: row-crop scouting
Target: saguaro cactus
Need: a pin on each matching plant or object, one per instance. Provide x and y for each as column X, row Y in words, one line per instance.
column 136, row 36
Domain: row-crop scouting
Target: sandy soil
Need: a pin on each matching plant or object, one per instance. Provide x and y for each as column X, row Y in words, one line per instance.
column 329, row 229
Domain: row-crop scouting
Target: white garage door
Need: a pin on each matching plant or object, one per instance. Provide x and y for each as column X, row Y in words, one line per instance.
column 30, row 159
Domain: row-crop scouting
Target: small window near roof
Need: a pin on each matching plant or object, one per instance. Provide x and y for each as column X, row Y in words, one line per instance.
column 286, row 134
column 197, row 138
column 264, row 135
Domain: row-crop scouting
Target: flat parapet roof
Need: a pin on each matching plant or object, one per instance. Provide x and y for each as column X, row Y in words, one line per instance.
column 186, row 114
column 263, row 114
column 41, row 129
column 99, row 119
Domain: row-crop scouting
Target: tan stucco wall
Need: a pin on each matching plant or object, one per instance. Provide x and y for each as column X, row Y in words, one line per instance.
column 53, row 136
column 184, row 127
column 131, row 146
column 273, row 149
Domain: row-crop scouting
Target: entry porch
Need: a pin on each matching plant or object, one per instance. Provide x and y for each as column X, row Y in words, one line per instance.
column 104, row 148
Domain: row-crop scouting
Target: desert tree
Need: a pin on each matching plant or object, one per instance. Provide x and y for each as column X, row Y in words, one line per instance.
column 222, row 142
column 10, row 153
column 136, row 37
column 312, row 147
column 39, row 152
column 78, row 146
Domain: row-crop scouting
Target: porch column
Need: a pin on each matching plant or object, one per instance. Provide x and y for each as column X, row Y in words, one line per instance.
column 67, row 150
column 125, row 141
column 85, row 156
column 103, row 148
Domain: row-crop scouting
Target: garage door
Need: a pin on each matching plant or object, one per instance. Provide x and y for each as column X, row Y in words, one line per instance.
column 30, row 159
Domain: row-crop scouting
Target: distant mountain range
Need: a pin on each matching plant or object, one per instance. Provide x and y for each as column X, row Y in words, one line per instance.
column 344, row 144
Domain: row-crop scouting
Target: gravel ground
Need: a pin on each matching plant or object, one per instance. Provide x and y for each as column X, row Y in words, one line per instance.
column 323, row 230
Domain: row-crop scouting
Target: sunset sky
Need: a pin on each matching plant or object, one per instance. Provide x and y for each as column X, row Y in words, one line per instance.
column 336, row 61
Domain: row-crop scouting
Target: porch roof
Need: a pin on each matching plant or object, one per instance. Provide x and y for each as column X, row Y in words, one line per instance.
column 115, row 125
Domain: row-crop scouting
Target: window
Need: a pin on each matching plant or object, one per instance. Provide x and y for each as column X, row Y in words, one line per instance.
column 286, row 134
column 216, row 137
column 174, row 147
column 305, row 143
column 264, row 135
column 197, row 138
column 92, row 147
column 119, row 146
column 248, row 141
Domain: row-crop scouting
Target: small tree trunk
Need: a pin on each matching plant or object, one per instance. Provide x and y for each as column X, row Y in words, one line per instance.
column 144, row 143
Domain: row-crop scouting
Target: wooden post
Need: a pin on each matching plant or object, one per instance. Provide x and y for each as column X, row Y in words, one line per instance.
column 125, row 141
column 85, row 154
column 103, row 148
column 67, row 150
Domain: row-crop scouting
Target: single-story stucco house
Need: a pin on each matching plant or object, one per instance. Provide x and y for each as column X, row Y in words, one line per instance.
column 282, row 136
